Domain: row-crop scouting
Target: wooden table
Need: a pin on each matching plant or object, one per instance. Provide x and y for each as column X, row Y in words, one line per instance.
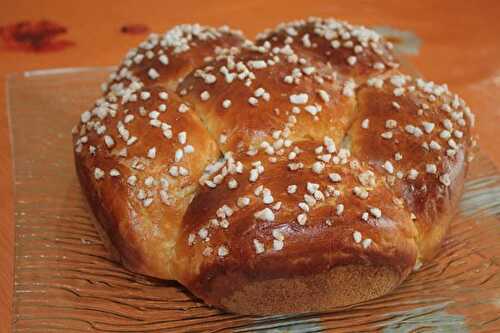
column 461, row 46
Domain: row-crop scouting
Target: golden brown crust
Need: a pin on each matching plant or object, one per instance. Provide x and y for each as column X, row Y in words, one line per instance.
column 340, row 286
column 169, row 58
column 353, row 51
column 299, row 173
column 325, row 240
column 254, row 111
column 426, row 148
column 138, row 209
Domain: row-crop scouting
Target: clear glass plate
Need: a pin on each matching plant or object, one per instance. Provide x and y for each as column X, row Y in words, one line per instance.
column 65, row 280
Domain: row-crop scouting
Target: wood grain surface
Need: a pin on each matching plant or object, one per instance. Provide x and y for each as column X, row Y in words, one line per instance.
column 460, row 46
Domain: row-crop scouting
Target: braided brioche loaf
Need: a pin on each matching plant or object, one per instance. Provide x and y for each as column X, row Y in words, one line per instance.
column 296, row 173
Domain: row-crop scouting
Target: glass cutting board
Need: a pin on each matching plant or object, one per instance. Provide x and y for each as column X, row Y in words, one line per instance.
column 65, row 280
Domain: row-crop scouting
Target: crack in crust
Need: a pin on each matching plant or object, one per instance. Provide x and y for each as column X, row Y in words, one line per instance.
column 303, row 159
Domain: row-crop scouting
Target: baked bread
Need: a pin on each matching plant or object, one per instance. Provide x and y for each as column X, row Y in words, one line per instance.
column 300, row 172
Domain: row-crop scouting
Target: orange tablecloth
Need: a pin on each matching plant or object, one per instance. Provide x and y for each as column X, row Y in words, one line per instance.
column 461, row 46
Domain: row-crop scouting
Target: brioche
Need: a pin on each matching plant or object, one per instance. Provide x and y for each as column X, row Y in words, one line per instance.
column 299, row 172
